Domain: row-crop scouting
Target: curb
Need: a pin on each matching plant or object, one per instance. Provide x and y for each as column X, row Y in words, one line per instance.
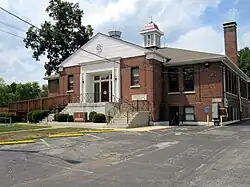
column 99, row 131
column 17, row 142
column 64, row 135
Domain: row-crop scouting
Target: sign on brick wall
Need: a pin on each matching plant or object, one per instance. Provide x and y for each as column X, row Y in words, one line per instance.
column 139, row 97
column 80, row 116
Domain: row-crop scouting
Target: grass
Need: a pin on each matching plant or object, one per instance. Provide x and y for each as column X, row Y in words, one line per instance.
column 18, row 127
column 43, row 133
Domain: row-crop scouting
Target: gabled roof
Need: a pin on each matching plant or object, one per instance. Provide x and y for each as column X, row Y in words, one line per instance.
column 93, row 38
column 178, row 55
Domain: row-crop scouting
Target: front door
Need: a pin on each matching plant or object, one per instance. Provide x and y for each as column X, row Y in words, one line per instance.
column 174, row 116
column 105, row 91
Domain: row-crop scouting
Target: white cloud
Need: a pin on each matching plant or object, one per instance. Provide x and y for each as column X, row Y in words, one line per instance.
column 232, row 15
column 171, row 16
column 201, row 39
column 245, row 40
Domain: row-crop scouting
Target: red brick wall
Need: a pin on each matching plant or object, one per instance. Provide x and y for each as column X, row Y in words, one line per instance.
column 230, row 36
column 4, row 109
column 150, row 82
column 53, row 88
column 63, row 82
column 208, row 85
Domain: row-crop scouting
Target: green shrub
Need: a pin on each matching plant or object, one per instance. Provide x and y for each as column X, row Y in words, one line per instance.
column 13, row 117
column 37, row 115
column 99, row 118
column 64, row 118
column 91, row 115
column 70, row 118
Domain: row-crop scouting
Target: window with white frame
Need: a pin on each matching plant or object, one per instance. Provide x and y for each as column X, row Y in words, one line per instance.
column 149, row 40
column 70, row 82
column 189, row 113
column 135, row 76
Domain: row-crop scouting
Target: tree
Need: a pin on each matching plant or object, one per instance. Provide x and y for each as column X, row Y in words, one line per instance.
column 44, row 90
column 244, row 60
column 58, row 40
column 21, row 91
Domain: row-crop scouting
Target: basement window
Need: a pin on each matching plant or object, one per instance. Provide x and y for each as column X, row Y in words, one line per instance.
column 189, row 113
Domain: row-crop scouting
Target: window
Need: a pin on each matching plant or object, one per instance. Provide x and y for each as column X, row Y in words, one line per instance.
column 248, row 91
column 189, row 113
column 158, row 40
column 97, row 92
column 173, row 80
column 188, row 76
column 70, row 82
column 243, row 88
column 149, row 40
column 53, row 86
column 135, row 76
column 231, row 82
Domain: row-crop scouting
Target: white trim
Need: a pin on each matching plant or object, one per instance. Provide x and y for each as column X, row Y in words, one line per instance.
column 189, row 92
column 156, row 56
column 231, row 94
column 151, row 30
column 194, row 61
column 174, row 93
column 245, row 119
column 98, row 70
column 160, row 123
column 108, row 60
column 135, row 86
column 52, row 77
column 243, row 98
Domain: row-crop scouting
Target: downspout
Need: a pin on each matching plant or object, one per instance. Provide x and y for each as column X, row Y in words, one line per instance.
column 239, row 95
column 224, row 86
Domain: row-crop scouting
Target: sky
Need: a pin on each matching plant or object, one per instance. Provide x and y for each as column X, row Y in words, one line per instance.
column 187, row 24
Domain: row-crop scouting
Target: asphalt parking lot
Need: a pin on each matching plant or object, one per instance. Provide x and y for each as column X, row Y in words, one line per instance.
column 177, row 156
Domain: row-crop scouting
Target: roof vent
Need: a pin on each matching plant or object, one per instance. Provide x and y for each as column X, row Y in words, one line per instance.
column 115, row 34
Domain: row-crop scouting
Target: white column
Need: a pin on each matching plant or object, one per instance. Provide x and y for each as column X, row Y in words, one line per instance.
column 84, row 87
column 118, row 84
column 81, row 87
column 113, row 96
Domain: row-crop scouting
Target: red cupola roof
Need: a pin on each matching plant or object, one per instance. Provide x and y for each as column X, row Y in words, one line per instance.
column 150, row 26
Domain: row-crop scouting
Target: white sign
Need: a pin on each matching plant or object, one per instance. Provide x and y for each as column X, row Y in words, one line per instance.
column 141, row 97
column 216, row 100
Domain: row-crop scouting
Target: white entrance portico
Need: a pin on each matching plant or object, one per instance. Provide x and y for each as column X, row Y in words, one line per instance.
column 101, row 81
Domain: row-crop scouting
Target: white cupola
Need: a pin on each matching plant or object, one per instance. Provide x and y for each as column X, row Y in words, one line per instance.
column 151, row 36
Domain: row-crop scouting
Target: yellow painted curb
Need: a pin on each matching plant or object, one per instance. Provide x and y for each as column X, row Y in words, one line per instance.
column 17, row 142
column 64, row 135
column 98, row 131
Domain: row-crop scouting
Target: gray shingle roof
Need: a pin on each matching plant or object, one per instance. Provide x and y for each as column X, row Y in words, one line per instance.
column 178, row 55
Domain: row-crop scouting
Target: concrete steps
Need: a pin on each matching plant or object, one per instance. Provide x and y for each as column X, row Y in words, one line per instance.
column 121, row 120
column 50, row 118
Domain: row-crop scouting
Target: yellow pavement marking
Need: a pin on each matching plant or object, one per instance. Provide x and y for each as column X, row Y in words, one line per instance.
column 17, row 142
column 64, row 135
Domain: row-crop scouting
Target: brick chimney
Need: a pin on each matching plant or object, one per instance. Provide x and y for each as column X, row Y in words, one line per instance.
column 230, row 38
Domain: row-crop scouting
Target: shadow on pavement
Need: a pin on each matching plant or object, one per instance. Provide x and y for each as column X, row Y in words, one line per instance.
column 240, row 123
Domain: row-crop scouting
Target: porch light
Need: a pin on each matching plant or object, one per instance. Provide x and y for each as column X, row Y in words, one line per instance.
column 82, row 79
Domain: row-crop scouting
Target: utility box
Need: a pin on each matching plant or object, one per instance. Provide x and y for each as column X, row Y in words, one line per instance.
column 215, row 110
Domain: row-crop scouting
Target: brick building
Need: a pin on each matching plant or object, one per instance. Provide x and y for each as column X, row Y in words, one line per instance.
column 175, row 83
